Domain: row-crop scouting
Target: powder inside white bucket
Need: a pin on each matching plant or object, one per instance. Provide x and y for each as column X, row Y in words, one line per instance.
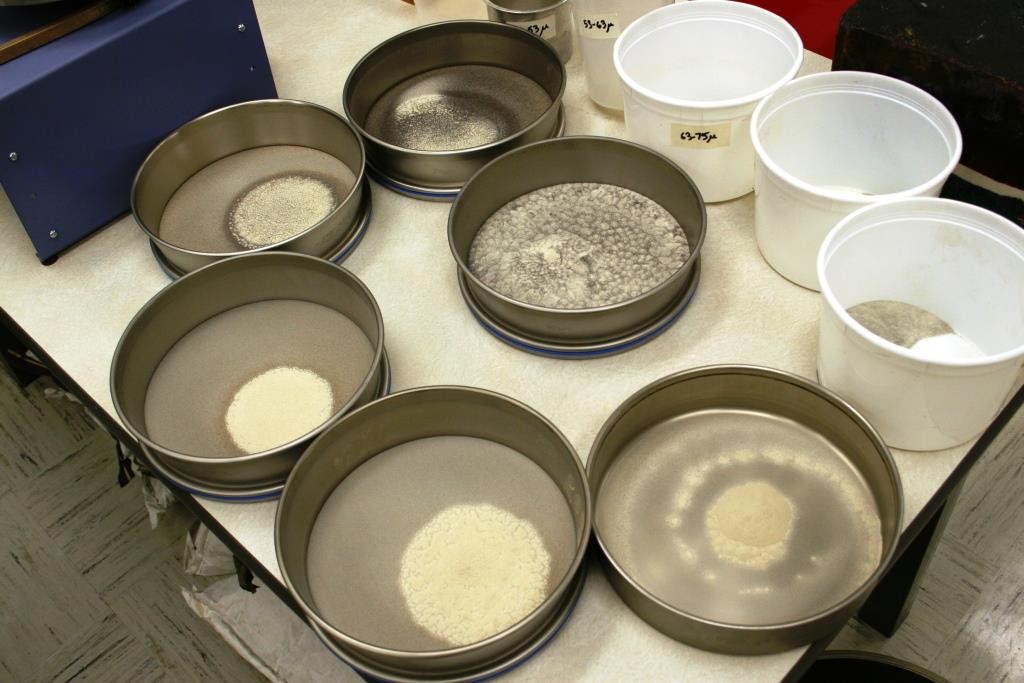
column 279, row 208
column 914, row 328
column 749, row 524
column 277, row 406
column 578, row 245
column 472, row 571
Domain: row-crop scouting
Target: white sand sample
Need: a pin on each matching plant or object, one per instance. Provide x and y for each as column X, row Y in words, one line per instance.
column 279, row 208
column 749, row 524
column 472, row 571
column 277, row 406
column 946, row 346
column 578, row 245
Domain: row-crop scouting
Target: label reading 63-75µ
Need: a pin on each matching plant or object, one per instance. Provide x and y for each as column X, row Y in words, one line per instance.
column 701, row 135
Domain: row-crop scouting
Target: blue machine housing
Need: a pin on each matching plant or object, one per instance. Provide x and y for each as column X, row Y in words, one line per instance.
column 78, row 116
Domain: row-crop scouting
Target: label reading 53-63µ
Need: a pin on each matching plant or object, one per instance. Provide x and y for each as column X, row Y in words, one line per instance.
column 701, row 135
column 600, row 26
column 545, row 27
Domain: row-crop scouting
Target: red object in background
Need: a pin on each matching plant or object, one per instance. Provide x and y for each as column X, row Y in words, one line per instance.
column 817, row 21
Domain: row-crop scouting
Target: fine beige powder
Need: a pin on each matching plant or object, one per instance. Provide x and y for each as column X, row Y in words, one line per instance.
column 277, row 180
column 189, row 395
column 472, row 571
column 277, row 406
column 749, row 524
column 279, row 208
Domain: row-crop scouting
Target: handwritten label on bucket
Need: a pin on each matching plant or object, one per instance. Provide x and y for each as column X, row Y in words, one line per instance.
column 701, row 135
column 600, row 26
column 545, row 27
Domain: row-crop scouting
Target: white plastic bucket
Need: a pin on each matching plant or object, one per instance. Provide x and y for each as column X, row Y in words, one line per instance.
column 598, row 24
column 957, row 261
column 691, row 76
column 830, row 143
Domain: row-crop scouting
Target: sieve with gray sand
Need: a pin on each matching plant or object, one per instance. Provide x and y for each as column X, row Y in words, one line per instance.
column 255, row 198
column 578, row 245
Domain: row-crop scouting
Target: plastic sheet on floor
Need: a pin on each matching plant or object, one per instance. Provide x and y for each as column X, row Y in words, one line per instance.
column 267, row 634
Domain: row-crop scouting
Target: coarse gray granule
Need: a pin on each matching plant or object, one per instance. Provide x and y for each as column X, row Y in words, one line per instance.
column 279, row 208
column 578, row 245
column 456, row 107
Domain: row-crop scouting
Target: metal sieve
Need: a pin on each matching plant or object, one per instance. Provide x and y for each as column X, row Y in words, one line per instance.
column 334, row 559
column 202, row 296
column 242, row 127
column 667, row 463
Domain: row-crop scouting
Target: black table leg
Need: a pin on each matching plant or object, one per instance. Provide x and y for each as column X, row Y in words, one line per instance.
column 889, row 603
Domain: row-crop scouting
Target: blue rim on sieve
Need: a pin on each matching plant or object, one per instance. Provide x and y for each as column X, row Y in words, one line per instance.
column 595, row 351
column 518, row 658
column 338, row 257
column 412, row 191
column 273, row 492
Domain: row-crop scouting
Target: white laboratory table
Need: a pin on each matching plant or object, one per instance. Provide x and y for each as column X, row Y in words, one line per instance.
column 73, row 313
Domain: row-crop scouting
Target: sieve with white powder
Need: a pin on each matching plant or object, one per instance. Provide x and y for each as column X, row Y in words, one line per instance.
column 578, row 245
column 255, row 377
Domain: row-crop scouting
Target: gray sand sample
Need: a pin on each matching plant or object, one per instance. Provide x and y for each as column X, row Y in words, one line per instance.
column 194, row 386
column 739, row 516
column 254, row 198
column 279, row 208
column 456, row 107
column 897, row 322
column 376, row 567
column 578, row 245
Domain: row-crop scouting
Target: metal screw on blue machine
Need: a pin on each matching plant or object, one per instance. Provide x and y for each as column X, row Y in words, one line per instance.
column 54, row 234
column 241, row 28
column 13, row 156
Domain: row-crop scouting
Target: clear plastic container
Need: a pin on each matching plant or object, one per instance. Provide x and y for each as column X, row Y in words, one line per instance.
column 691, row 76
column 598, row 24
column 957, row 261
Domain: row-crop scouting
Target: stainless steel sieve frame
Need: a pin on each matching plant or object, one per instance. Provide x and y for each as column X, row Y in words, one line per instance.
column 771, row 391
column 236, row 128
column 407, row 416
column 577, row 159
column 182, row 305
column 434, row 46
